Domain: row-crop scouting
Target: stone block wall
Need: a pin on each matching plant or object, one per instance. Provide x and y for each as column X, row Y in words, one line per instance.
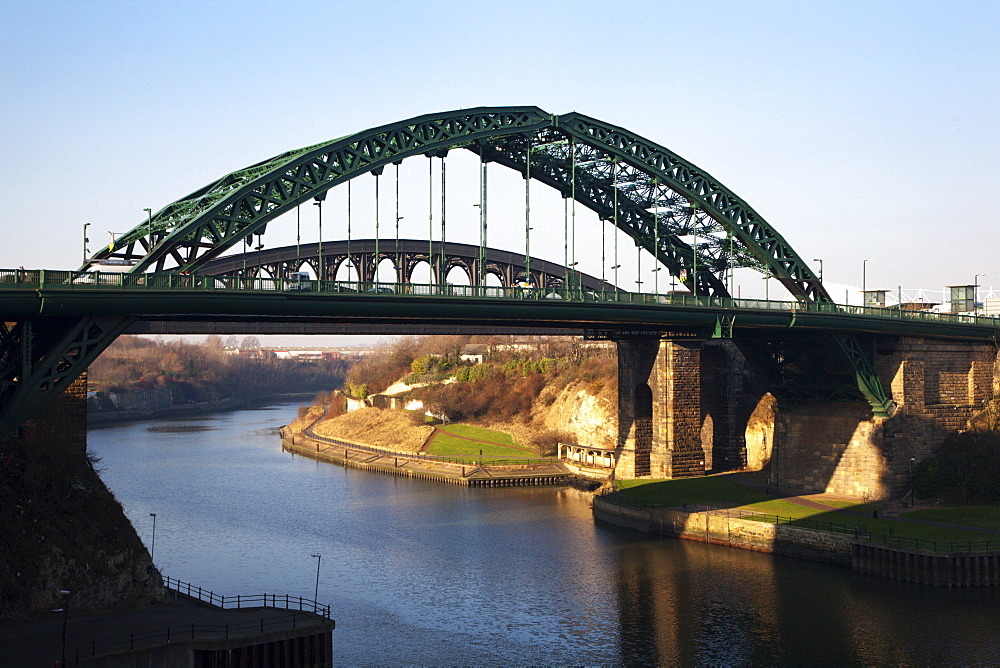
column 937, row 387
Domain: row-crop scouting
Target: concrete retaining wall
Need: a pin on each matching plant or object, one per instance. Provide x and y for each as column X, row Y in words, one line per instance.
column 708, row 527
column 941, row 569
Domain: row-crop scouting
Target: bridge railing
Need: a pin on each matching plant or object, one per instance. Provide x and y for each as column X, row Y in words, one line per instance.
column 33, row 279
column 284, row 601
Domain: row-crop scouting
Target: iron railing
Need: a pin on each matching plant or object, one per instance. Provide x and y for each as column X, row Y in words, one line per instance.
column 33, row 279
column 301, row 612
column 247, row 601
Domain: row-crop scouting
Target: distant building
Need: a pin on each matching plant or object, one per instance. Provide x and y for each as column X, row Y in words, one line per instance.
column 473, row 352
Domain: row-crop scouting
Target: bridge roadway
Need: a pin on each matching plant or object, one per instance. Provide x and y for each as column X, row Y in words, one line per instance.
column 172, row 303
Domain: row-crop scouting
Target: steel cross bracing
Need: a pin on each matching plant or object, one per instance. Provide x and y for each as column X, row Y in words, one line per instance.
column 40, row 357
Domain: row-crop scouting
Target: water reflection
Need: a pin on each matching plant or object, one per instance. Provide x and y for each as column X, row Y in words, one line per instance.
column 419, row 573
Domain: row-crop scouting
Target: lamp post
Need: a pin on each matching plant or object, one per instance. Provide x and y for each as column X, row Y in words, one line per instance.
column 65, row 610
column 149, row 226
column 319, row 203
column 975, row 294
column 85, row 240
column 864, row 279
column 152, row 543
column 816, row 259
column 319, row 559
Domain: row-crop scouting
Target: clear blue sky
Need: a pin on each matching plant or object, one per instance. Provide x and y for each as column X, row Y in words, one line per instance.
column 857, row 129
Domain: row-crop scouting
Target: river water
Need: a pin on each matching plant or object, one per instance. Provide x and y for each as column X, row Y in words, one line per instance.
column 423, row 573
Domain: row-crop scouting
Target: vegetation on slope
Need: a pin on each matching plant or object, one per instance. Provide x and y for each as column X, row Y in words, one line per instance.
column 513, row 390
column 392, row 429
column 194, row 372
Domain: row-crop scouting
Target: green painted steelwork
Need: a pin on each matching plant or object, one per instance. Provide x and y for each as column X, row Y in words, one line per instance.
column 684, row 199
column 695, row 227
column 152, row 296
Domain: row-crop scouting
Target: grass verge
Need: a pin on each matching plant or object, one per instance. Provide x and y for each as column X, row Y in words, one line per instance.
column 723, row 492
column 466, row 441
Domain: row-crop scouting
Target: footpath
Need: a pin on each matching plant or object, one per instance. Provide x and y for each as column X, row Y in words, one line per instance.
column 815, row 502
column 466, row 471
column 39, row 642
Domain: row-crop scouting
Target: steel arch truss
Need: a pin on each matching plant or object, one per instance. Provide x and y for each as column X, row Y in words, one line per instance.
column 695, row 227
column 661, row 198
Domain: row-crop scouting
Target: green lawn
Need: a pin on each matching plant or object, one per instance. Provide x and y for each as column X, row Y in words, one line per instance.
column 486, row 440
column 480, row 434
column 722, row 492
column 984, row 517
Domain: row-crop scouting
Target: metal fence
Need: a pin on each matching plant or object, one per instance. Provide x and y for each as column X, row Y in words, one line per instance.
column 32, row 279
column 301, row 612
column 247, row 601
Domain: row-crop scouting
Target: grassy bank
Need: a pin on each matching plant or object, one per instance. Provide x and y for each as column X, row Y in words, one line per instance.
column 723, row 491
column 459, row 440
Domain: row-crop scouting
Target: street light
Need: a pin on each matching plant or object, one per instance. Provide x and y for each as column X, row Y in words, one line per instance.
column 864, row 278
column 319, row 559
column 152, row 544
column 975, row 294
column 149, row 225
column 85, row 240
column 816, row 259
column 319, row 203
column 65, row 610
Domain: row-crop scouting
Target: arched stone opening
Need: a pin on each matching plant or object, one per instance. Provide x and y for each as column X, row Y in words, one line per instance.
column 643, row 402
column 760, row 434
column 716, row 395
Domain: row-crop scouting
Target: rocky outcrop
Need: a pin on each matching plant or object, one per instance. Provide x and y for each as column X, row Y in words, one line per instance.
column 575, row 410
column 60, row 527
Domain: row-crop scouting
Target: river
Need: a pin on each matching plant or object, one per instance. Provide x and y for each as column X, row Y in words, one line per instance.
column 422, row 573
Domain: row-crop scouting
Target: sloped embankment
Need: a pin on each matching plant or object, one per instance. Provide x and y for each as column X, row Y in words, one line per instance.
column 393, row 429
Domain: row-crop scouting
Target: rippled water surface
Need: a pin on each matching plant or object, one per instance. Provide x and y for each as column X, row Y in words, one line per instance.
column 422, row 573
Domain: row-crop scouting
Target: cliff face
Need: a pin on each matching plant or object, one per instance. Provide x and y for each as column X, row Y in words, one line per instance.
column 590, row 418
column 60, row 527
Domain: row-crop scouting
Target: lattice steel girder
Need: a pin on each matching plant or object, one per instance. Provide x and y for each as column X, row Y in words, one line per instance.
column 202, row 225
column 595, row 188
column 799, row 368
column 56, row 351
column 820, row 366
column 707, row 194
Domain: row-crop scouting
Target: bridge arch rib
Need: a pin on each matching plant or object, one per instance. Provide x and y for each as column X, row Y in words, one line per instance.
column 653, row 195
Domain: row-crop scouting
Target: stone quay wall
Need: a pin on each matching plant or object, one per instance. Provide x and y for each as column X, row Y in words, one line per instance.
column 942, row 569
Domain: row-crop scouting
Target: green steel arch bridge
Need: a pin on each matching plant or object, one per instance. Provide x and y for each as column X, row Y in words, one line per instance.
column 169, row 268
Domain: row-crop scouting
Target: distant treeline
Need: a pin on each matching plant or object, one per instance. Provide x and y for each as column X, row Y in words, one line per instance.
column 198, row 372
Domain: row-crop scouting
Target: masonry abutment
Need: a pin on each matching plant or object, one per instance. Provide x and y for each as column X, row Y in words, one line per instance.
column 62, row 528
column 937, row 386
column 659, row 408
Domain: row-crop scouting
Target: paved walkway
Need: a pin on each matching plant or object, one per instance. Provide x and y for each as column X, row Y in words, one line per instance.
column 819, row 505
column 39, row 642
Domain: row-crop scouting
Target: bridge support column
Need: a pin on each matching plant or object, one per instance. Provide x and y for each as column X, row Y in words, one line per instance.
column 659, row 408
column 939, row 388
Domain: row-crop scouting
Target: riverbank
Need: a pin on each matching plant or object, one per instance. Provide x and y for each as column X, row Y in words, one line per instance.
column 848, row 546
column 102, row 418
column 496, row 473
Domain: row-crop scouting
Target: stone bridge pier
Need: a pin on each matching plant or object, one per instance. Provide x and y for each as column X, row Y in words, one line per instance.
column 683, row 403
column 937, row 386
